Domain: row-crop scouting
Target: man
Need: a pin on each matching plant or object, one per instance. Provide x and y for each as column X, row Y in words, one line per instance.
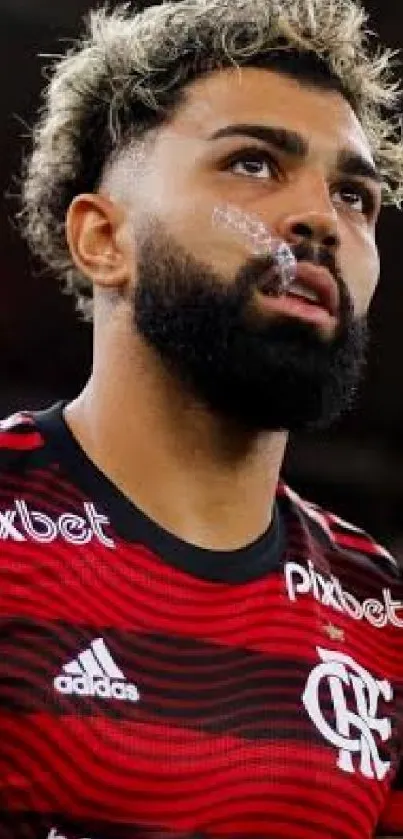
column 189, row 648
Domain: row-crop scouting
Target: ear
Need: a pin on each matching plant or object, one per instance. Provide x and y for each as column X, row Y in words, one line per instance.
column 97, row 234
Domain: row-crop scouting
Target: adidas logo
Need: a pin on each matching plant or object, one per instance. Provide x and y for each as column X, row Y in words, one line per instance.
column 94, row 673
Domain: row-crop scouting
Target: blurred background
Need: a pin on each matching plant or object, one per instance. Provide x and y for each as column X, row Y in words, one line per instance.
column 45, row 351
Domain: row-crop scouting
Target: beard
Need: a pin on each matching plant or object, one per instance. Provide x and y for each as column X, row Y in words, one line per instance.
column 263, row 373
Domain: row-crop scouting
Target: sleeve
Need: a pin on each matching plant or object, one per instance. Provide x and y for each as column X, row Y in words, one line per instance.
column 391, row 824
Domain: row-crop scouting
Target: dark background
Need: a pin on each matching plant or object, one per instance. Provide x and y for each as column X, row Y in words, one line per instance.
column 45, row 352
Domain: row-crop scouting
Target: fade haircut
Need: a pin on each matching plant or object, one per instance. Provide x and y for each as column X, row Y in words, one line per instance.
column 127, row 75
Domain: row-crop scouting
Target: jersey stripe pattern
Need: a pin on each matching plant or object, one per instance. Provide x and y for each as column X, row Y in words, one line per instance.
column 141, row 697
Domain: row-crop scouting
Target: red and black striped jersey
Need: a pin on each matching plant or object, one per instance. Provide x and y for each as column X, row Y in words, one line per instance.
column 150, row 689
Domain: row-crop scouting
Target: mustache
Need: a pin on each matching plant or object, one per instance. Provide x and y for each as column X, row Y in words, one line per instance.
column 319, row 255
column 258, row 266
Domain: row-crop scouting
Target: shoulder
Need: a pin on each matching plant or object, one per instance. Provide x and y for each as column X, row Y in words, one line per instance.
column 20, row 441
column 346, row 538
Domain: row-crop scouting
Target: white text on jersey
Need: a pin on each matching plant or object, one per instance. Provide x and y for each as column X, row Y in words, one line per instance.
column 20, row 524
column 301, row 579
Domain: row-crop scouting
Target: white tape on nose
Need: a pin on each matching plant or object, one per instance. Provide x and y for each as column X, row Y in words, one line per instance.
column 259, row 240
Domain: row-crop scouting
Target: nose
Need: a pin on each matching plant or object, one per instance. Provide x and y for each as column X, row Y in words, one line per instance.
column 310, row 227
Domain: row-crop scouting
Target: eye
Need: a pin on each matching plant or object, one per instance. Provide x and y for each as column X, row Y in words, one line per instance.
column 357, row 197
column 252, row 163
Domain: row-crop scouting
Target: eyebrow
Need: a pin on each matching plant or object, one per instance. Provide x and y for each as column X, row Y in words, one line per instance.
column 352, row 163
column 293, row 144
column 289, row 142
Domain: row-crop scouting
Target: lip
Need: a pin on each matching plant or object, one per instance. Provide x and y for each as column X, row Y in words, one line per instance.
column 319, row 280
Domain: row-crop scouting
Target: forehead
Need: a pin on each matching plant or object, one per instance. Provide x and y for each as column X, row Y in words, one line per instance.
column 259, row 96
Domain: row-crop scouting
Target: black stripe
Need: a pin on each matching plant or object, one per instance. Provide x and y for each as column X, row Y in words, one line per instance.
column 29, row 825
column 208, row 687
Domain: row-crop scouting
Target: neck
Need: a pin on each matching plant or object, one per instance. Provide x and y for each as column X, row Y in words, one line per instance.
column 203, row 479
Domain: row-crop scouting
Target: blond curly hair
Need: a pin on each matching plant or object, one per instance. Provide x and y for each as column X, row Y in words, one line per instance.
column 127, row 72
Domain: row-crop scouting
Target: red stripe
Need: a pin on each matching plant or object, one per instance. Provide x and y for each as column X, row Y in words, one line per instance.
column 359, row 539
column 42, row 486
column 392, row 818
column 179, row 778
column 137, row 592
column 45, row 498
column 21, row 442
column 360, row 543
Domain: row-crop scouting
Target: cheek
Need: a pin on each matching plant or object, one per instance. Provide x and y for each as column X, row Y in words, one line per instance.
column 191, row 224
column 361, row 272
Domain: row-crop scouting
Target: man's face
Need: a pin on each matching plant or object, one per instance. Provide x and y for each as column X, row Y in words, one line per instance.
column 247, row 356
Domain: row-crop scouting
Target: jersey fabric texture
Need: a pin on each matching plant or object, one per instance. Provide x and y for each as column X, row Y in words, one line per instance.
column 150, row 689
